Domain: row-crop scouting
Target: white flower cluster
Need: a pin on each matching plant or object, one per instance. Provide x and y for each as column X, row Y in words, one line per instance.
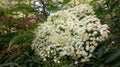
column 74, row 32
column 18, row 14
column 6, row 4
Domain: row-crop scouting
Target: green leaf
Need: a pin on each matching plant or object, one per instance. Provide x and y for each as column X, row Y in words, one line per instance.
column 53, row 8
column 9, row 64
column 23, row 8
column 101, row 52
column 21, row 38
column 116, row 64
column 112, row 56
column 35, row 25
column 66, row 1
column 1, row 13
column 4, row 29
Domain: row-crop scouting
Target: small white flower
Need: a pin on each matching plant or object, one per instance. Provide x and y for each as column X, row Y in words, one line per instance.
column 87, row 47
column 69, row 32
column 55, row 60
column 44, row 59
column 76, row 62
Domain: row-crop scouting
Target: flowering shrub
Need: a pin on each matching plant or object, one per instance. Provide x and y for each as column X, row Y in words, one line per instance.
column 74, row 32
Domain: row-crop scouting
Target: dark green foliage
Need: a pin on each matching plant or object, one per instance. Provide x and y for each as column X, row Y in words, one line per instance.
column 108, row 55
column 19, row 57
column 15, row 42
